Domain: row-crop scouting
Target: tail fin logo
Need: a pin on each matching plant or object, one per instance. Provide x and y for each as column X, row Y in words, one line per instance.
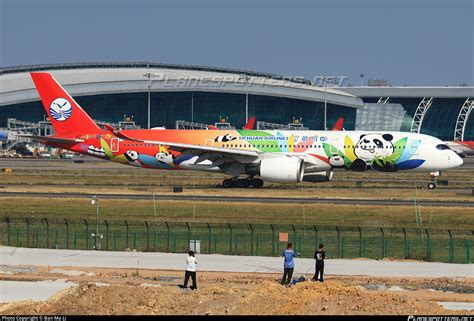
column 60, row 109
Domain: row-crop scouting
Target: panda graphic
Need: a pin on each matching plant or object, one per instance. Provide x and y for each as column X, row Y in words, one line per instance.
column 336, row 161
column 224, row 138
column 371, row 149
column 165, row 158
column 132, row 157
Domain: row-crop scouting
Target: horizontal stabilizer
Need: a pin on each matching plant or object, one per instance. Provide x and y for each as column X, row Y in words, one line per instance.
column 52, row 139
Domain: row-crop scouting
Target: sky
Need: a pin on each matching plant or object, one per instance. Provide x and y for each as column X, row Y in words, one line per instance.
column 407, row 42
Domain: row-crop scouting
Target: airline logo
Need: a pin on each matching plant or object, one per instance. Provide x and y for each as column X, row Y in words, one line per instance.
column 60, row 109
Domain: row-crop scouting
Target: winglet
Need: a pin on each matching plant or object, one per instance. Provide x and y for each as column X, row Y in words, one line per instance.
column 250, row 124
column 338, row 125
column 118, row 133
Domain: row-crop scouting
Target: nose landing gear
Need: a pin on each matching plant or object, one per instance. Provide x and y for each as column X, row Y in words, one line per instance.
column 433, row 180
column 242, row 182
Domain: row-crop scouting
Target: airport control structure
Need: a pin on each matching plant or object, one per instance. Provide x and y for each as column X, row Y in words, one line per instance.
column 156, row 95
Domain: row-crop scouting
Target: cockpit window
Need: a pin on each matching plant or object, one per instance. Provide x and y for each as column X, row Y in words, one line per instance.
column 442, row 147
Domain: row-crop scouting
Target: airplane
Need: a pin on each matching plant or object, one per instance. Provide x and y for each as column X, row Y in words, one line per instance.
column 249, row 157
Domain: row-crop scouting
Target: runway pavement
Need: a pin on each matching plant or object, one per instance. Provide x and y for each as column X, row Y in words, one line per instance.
column 227, row 263
column 177, row 197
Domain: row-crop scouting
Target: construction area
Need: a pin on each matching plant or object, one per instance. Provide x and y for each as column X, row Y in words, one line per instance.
column 127, row 284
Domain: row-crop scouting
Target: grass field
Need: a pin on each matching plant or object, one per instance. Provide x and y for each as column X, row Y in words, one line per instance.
column 105, row 177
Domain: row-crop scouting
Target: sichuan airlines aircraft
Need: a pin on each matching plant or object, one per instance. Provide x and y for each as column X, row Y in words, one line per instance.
column 250, row 157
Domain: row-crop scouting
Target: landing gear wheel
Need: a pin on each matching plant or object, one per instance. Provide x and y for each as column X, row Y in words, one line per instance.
column 432, row 185
column 242, row 183
column 257, row 183
column 228, row 183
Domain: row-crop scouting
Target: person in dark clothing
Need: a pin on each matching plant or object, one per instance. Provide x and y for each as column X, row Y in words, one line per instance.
column 319, row 256
column 288, row 265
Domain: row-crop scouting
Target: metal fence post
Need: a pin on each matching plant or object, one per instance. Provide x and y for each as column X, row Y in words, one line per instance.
column 189, row 236
column 56, row 238
column 383, row 241
column 273, row 239
column 428, row 244
column 106, row 235
column 451, row 247
column 251, row 239
column 360, row 241
column 87, row 234
column 405, row 243
column 27, row 232
column 294, row 234
column 74, row 241
column 468, row 252
column 167, row 236
column 37, row 237
column 135, row 240
column 315, row 236
column 126, row 234
column 338, row 237
column 147, row 236
column 67, row 232
column 209, row 237
column 17, row 237
column 257, row 245
column 342, row 248
column 8, row 230
column 47, row 232
column 230, row 238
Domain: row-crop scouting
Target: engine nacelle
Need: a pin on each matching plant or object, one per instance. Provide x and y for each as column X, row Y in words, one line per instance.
column 282, row 169
column 318, row 177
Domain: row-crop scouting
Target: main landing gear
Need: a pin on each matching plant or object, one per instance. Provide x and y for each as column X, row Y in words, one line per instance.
column 433, row 180
column 242, row 182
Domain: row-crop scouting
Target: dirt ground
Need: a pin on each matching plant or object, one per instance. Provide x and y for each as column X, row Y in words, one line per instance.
column 127, row 291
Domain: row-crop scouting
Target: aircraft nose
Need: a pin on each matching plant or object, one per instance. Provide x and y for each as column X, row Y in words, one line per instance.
column 457, row 160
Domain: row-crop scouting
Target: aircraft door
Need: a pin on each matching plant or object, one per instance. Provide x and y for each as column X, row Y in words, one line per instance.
column 414, row 148
column 114, row 145
column 209, row 142
column 334, row 146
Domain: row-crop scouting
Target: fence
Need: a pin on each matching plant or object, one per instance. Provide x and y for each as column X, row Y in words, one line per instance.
column 439, row 245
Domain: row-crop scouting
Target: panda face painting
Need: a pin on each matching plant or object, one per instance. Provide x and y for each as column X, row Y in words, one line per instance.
column 373, row 146
column 132, row 157
column 336, row 161
column 164, row 158
column 225, row 138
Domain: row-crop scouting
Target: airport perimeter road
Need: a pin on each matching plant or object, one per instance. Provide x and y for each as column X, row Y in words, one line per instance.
column 359, row 201
column 226, row 263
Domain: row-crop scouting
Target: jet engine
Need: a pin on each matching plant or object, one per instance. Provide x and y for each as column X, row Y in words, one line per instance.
column 281, row 169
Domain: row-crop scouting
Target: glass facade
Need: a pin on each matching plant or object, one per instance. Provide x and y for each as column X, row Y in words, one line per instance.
column 208, row 107
column 439, row 120
column 200, row 107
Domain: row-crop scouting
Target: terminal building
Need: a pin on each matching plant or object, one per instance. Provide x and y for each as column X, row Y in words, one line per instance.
column 149, row 95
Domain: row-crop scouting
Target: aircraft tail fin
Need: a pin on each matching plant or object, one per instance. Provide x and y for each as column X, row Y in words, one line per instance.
column 67, row 117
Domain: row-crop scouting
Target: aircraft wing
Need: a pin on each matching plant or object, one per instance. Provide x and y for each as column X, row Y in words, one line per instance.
column 205, row 152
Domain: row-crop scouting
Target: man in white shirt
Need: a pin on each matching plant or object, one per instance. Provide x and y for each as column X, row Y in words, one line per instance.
column 190, row 271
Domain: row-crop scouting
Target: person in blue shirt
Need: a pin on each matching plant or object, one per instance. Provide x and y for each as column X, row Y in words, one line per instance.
column 288, row 265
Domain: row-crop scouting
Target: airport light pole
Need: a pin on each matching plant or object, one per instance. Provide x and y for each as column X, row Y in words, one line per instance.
column 95, row 201
column 325, row 104
column 246, row 79
column 149, row 75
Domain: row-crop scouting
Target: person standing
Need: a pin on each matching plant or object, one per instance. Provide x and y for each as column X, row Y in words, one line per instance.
column 190, row 271
column 319, row 256
column 288, row 265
